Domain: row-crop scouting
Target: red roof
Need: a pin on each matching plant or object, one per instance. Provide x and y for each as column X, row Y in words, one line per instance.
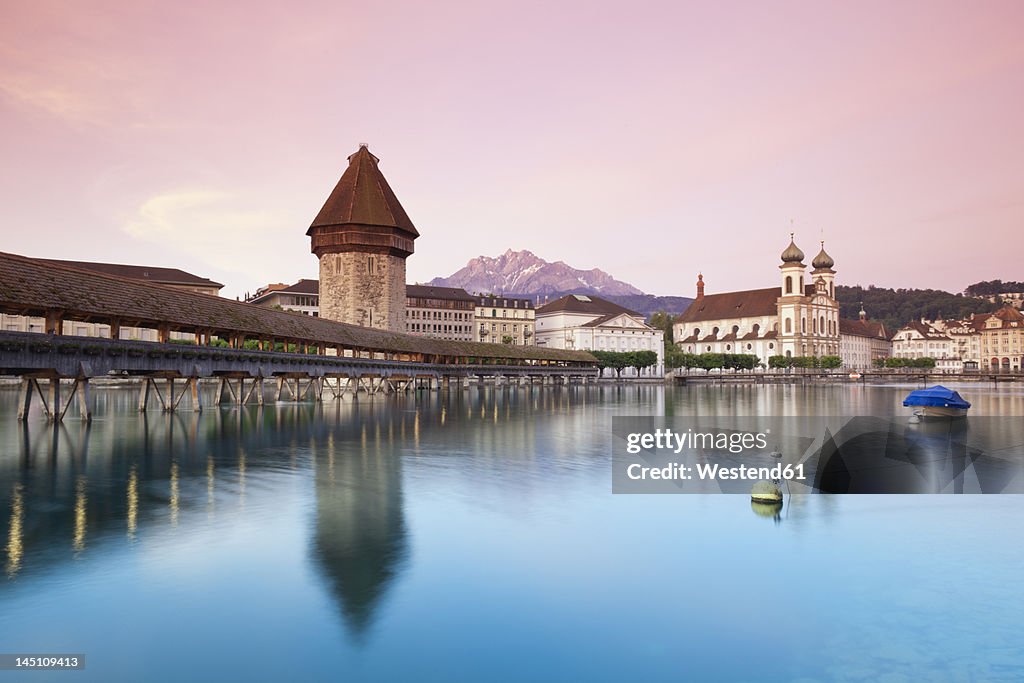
column 863, row 328
column 579, row 303
column 745, row 304
column 363, row 197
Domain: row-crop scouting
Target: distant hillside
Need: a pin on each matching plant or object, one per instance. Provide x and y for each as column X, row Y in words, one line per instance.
column 527, row 274
column 648, row 304
column 897, row 307
column 993, row 287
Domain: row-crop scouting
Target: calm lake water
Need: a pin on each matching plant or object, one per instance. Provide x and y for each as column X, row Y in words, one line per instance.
column 473, row 536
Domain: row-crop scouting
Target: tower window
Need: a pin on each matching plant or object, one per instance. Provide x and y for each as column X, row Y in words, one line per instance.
column 371, row 265
column 789, row 284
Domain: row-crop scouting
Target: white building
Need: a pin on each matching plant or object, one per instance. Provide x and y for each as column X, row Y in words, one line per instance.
column 440, row 312
column 799, row 318
column 502, row 318
column 862, row 342
column 589, row 323
column 923, row 340
column 302, row 297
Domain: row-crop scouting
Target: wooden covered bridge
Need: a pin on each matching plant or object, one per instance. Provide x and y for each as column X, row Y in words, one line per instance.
column 239, row 344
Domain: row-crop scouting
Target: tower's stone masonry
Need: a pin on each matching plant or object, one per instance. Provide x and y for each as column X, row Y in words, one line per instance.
column 351, row 293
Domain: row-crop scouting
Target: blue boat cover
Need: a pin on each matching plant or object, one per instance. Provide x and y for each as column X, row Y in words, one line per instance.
column 938, row 396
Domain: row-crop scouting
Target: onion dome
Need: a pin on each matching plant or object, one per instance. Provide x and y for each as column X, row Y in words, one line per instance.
column 822, row 261
column 792, row 253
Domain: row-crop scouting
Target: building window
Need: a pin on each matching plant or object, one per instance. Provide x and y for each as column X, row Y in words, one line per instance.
column 789, row 284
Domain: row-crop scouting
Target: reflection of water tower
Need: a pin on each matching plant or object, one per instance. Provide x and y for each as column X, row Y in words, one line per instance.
column 360, row 540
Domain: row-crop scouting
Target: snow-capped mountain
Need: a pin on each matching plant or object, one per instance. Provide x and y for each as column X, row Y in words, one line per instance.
column 524, row 273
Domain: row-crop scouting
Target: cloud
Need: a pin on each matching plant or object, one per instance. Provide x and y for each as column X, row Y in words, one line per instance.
column 220, row 229
column 53, row 98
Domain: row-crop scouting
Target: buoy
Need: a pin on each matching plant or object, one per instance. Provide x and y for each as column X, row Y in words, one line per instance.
column 766, row 491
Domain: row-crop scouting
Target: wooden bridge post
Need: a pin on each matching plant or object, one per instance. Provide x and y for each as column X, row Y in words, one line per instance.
column 25, row 398
column 169, row 403
column 144, row 395
column 197, row 401
column 80, row 394
column 53, row 402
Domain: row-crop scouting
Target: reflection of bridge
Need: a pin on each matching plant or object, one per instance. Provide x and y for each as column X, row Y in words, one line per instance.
column 228, row 340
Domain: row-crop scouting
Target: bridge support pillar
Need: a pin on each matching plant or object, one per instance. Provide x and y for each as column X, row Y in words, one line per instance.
column 25, row 398
column 197, row 396
column 53, row 407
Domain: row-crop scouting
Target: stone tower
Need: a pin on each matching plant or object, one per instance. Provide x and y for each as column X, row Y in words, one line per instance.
column 362, row 237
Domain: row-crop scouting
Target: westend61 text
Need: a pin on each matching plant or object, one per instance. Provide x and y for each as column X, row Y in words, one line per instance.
column 707, row 472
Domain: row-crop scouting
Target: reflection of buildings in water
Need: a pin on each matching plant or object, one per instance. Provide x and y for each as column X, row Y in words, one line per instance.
column 360, row 542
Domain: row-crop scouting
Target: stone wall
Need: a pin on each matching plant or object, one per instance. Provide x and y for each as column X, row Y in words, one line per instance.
column 363, row 289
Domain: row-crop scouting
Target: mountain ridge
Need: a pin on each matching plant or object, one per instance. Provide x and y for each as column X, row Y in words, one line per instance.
column 525, row 275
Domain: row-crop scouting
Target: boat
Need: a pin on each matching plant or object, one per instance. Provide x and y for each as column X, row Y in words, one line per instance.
column 855, row 375
column 937, row 401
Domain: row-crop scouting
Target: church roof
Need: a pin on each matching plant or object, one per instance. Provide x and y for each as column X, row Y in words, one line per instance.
column 749, row 303
column 363, row 197
column 745, row 304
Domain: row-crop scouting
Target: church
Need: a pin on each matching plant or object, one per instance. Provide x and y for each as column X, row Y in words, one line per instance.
column 800, row 317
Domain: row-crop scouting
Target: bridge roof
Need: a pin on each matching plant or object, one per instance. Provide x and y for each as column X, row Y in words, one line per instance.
column 33, row 287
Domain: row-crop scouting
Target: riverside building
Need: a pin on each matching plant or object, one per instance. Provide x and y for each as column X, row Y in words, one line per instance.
column 590, row 323
column 502, row 319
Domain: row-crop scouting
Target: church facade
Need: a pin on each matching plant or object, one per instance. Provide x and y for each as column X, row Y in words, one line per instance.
column 798, row 318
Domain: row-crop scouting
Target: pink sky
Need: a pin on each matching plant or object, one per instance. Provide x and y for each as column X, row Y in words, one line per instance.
column 651, row 140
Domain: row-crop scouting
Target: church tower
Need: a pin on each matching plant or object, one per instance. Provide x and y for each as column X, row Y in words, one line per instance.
column 792, row 316
column 362, row 237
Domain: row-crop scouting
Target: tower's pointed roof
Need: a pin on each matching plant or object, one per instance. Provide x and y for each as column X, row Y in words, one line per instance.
column 363, row 197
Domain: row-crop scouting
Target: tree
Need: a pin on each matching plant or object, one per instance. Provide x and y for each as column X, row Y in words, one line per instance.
column 710, row 361
column 830, row 362
column 506, row 339
column 780, row 362
column 663, row 321
column 674, row 357
column 615, row 360
column 897, row 307
column 642, row 359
